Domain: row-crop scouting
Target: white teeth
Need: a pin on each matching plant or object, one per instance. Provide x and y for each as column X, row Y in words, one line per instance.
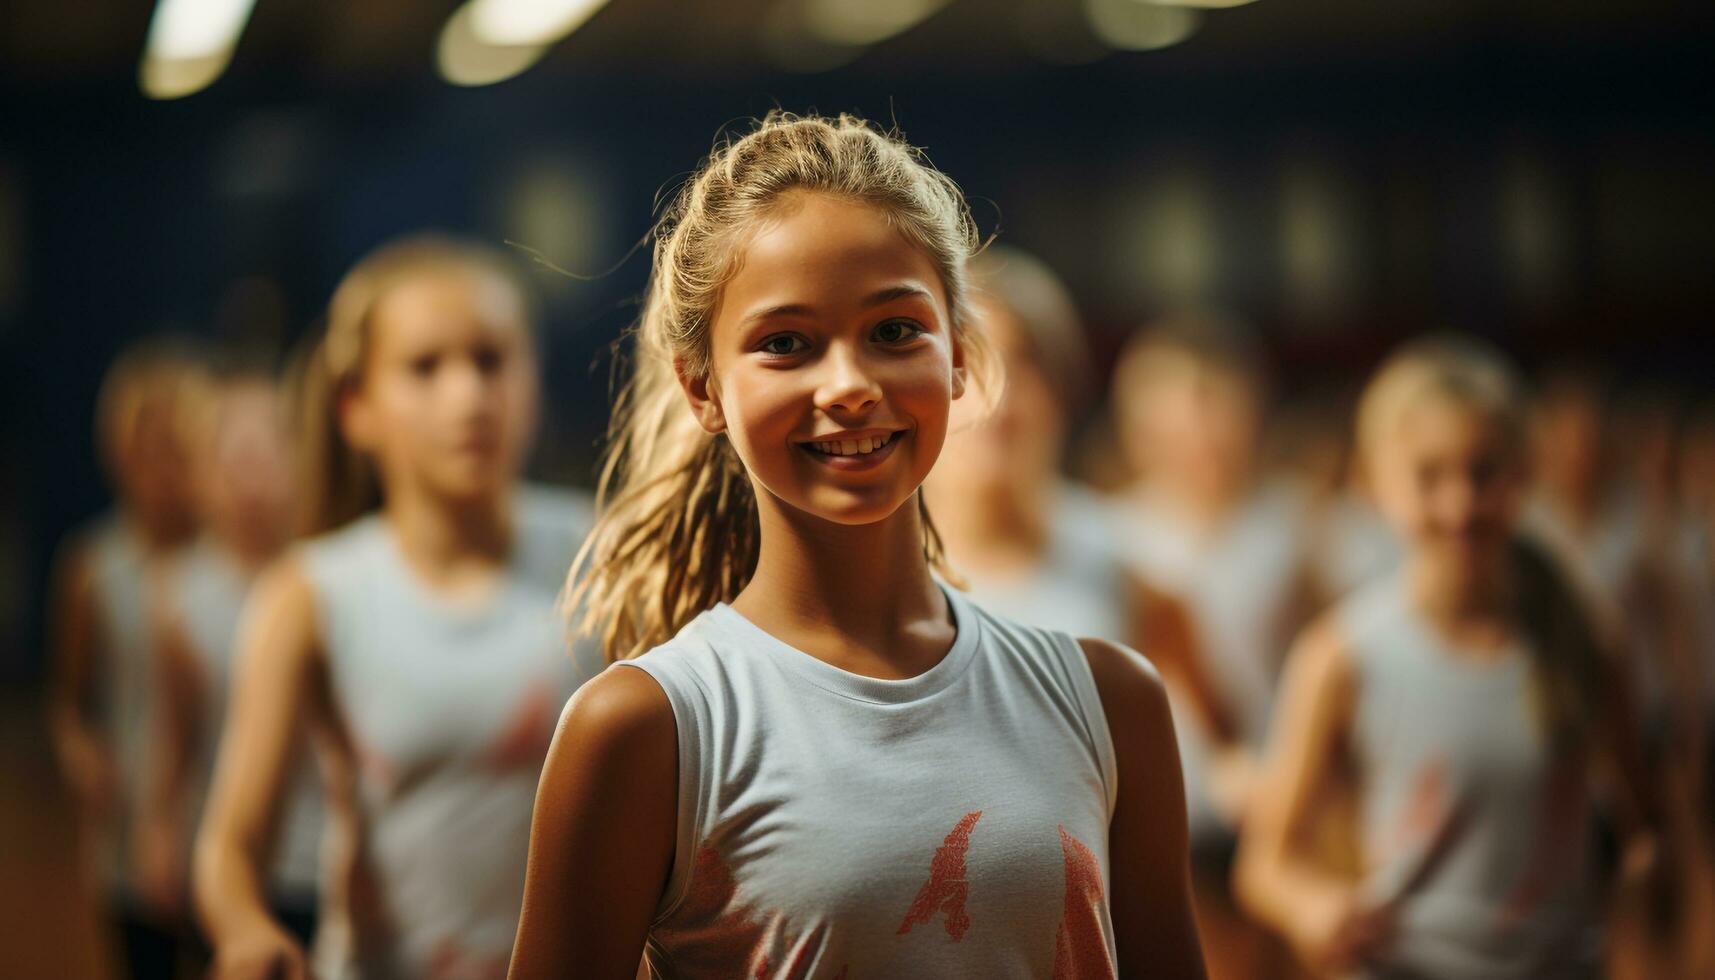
column 852, row 447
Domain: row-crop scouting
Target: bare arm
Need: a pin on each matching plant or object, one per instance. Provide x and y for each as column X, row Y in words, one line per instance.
column 601, row 844
column 75, row 638
column 179, row 684
column 1154, row 928
column 1162, row 626
column 279, row 666
column 1276, row 877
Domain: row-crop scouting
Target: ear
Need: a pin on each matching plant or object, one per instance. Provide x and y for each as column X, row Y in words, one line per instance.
column 958, row 366
column 703, row 395
column 356, row 419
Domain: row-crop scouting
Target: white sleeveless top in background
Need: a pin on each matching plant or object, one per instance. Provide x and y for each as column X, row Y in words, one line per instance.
column 450, row 712
column 1237, row 583
column 1469, row 816
column 124, row 580
column 206, row 591
column 1079, row 587
column 832, row 825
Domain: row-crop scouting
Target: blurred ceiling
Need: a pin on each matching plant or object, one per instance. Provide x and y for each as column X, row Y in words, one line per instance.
column 352, row 41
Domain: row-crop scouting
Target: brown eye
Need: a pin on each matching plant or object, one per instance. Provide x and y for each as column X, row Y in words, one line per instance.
column 897, row 331
column 782, row 345
column 423, row 366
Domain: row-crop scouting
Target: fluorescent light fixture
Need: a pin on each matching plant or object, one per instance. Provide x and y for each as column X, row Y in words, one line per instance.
column 190, row 43
column 187, row 29
column 463, row 58
column 1134, row 25
column 525, row 22
column 1203, row 4
column 861, row 22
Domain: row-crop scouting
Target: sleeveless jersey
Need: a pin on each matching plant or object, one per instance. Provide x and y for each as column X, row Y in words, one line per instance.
column 124, row 590
column 207, row 589
column 832, row 825
column 1478, row 826
column 450, row 711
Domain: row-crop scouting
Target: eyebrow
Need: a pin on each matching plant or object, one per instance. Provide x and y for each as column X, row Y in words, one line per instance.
column 878, row 298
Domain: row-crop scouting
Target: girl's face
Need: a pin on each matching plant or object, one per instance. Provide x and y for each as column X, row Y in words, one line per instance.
column 1017, row 441
column 245, row 474
column 152, row 471
column 1195, row 426
column 448, row 393
column 833, row 364
column 1448, row 481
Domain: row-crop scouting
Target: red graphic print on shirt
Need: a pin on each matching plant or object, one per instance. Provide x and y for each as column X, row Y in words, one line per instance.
column 947, row 887
column 1080, row 949
column 523, row 744
column 735, row 938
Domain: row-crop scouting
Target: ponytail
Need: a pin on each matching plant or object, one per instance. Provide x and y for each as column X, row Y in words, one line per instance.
column 336, row 484
column 1566, row 652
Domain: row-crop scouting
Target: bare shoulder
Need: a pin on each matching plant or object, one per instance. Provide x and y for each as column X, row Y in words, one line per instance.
column 1122, row 670
column 280, row 616
column 618, row 707
column 616, row 734
column 1134, row 699
column 1321, row 657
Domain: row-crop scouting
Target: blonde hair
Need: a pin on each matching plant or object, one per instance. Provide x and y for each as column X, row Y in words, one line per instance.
column 1565, row 648
column 1209, row 339
column 1024, row 285
column 156, row 371
column 678, row 527
column 337, row 483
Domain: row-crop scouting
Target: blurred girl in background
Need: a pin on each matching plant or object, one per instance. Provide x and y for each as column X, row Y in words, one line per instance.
column 817, row 761
column 415, row 635
column 240, row 461
column 1028, row 541
column 102, row 700
column 1466, row 699
column 1203, row 524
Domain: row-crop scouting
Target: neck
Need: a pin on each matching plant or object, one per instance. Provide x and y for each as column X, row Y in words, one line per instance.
column 1452, row 595
column 443, row 536
column 868, row 583
column 159, row 536
column 252, row 552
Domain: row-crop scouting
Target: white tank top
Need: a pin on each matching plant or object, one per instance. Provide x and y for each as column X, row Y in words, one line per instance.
column 206, row 590
column 1079, row 587
column 832, row 825
column 450, row 712
column 1469, row 815
column 124, row 577
column 1237, row 586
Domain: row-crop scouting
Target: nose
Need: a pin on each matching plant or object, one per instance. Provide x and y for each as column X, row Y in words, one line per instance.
column 467, row 385
column 846, row 385
column 1458, row 504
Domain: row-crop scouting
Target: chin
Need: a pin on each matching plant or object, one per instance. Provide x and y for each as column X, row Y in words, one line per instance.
column 852, row 509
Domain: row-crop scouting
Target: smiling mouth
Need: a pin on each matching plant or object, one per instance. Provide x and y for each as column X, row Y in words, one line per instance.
column 853, row 453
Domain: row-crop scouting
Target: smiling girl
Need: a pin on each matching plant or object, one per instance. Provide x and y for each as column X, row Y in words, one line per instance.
column 813, row 759
column 1467, row 700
